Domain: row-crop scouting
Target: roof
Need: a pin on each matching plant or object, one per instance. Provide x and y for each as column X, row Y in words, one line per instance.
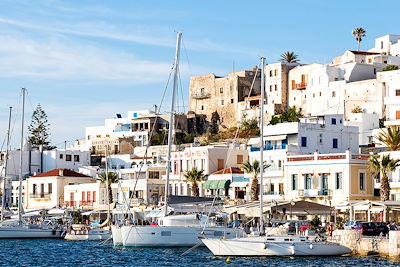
column 364, row 52
column 61, row 172
column 230, row 170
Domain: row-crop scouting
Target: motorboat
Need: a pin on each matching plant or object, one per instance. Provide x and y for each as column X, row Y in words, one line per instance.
column 82, row 232
column 175, row 231
column 274, row 246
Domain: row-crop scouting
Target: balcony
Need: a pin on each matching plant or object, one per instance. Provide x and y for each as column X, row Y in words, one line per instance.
column 201, row 95
column 269, row 147
column 86, row 203
column 300, row 86
column 40, row 195
column 71, row 204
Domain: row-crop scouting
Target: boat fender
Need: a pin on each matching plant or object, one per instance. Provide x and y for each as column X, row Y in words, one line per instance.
column 228, row 260
column 292, row 249
column 54, row 232
column 311, row 246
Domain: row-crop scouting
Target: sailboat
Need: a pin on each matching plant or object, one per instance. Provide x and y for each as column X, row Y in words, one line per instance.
column 171, row 230
column 264, row 245
column 22, row 229
column 82, row 232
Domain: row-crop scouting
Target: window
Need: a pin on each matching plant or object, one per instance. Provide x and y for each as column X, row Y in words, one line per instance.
column 333, row 94
column 338, row 180
column 333, row 121
column 397, row 92
column 270, row 88
column 231, row 100
column 276, row 72
column 202, row 107
column 221, row 90
column 88, row 196
column 83, row 196
column 293, row 84
column 34, row 189
column 362, row 181
column 222, row 102
column 107, row 135
column 202, row 90
column 313, row 95
column 88, row 137
column 50, row 188
column 68, row 157
column 270, row 73
column 98, row 136
column 320, row 94
column 307, row 181
column 381, row 44
column 397, row 114
column 94, row 196
column 334, row 143
column 294, row 181
column 276, row 87
column 304, row 141
column 239, row 159
column 76, row 158
column 154, row 175
column 220, row 163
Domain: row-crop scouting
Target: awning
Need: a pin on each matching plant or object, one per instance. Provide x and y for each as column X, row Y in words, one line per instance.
column 239, row 184
column 254, row 141
column 216, row 184
column 275, row 137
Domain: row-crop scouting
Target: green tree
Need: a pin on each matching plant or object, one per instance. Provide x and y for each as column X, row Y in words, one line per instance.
column 382, row 166
column 289, row 57
column 358, row 34
column 291, row 115
column 254, row 169
column 390, row 138
column 194, row 176
column 112, row 178
column 390, row 67
column 39, row 128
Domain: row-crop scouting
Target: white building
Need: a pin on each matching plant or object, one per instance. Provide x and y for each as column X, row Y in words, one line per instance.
column 208, row 158
column 330, row 179
column 46, row 190
column 325, row 134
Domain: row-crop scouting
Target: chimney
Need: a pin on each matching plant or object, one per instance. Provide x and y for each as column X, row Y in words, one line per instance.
column 60, row 172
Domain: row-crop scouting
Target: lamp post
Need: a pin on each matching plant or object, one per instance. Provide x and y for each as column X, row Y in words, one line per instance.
column 291, row 205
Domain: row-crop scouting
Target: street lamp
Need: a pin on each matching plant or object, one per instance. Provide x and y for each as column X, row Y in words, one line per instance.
column 291, row 205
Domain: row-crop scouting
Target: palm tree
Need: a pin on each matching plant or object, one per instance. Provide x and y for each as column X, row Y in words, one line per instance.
column 193, row 176
column 254, row 169
column 289, row 57
column 112, row 178
column 390, row 138
column 383, row 166
column 358, row 33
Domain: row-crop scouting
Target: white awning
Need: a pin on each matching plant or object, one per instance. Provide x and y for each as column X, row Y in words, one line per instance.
column 254, row 141
column 239, row 184
column 275, row 137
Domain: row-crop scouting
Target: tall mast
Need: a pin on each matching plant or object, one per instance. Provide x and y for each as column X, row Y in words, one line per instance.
column 107, row 187
column 20, row 159
column 262, row 146
column 171, row 120
column 3, row 203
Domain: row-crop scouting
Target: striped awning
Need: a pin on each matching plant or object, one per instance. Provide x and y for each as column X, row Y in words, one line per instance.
column 216, row 184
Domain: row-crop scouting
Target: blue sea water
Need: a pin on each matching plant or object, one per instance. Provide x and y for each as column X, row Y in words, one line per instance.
column 62, row 253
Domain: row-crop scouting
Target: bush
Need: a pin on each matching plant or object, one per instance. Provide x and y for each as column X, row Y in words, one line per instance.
column 390, row 67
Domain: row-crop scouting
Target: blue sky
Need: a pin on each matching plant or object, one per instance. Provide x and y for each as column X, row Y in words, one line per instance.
column 84, row 61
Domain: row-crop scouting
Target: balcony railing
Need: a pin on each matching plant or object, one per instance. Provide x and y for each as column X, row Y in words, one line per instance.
column 86, row 203
column 269, row 147
column 300, row 86
column 72, row 204
column 201, row 95
column 40, row 195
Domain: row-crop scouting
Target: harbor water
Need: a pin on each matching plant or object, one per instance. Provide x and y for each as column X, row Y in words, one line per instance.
column 63, row 253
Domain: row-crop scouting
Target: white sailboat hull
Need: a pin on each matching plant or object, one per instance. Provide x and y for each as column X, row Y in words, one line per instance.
column 89, row 235
column 116, row 235
column 172, row 236
column 21, row 232
column 260, row 246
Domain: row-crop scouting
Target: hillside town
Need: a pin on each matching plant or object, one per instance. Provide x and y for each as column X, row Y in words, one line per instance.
column 346, row 113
